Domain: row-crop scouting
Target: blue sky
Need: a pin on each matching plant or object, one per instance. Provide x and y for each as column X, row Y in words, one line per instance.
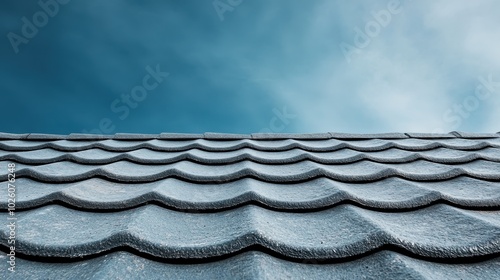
column 241, row 66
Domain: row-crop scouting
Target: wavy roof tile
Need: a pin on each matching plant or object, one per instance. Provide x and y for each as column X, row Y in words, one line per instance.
column 260, row 206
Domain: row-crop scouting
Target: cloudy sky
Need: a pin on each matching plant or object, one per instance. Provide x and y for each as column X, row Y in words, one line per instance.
column 244, row 66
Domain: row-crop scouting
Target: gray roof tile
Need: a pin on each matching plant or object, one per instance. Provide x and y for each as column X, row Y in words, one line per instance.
column 358, row 172
column 202, row 235
column 134, row 136
column 390, row 193
column 353, row 136
column 269, row 136
column 476, row 135
column 256, row 265
column 327, row 145
column 180, row 136
column 432, row 135
column 86, row 137
column 224, row 136
column 12, row 136
column 254, row 206
column 295, row 155
column 40, row 136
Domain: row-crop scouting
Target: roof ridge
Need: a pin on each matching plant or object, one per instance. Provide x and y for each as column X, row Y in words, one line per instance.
column 254, row 136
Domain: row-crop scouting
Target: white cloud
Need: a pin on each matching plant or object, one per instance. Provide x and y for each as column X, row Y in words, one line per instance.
column 406, row 78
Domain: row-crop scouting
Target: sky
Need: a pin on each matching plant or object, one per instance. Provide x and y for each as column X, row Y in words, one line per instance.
column 247, row 66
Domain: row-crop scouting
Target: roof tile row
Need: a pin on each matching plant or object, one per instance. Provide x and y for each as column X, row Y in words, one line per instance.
column 228, row 136
column 397, row 205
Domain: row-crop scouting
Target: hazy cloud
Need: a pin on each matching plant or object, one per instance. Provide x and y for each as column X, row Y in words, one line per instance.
column 416, row 67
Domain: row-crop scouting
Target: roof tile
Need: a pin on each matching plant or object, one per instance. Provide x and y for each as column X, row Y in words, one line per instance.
column 224, row 136
column 353, row 136
column 254, row 206
column 12, row 136
column 81, row 136
column 432, row 135
column 134, row 136
column 270, row 136
column 468, row 135
column 254, row 264
column 41, row 136
column 180, row 136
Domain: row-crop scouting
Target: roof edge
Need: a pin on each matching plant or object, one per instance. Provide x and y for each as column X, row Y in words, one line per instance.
column 254, row 136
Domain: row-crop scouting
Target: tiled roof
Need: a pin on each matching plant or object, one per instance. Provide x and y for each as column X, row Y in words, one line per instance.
column 260, row 206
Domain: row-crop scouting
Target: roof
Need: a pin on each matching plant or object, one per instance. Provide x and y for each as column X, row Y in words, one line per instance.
column 260, row 206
